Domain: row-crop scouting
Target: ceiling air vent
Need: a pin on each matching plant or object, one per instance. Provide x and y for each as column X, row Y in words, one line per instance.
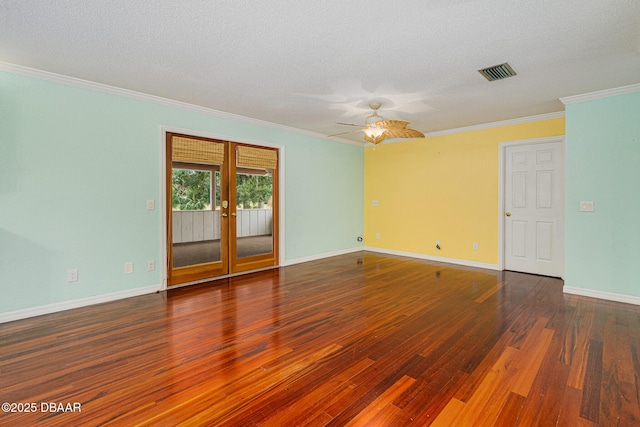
column 497, row 72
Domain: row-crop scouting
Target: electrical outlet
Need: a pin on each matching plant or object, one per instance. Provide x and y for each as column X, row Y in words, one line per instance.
column 128, row 267
column 72, row 275
column 438, row 244
column 586, row 207
column 475, row 246
column 151, row 265
column 377, row 235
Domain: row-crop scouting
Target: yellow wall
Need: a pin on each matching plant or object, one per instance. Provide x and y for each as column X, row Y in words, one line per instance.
column 441, row 188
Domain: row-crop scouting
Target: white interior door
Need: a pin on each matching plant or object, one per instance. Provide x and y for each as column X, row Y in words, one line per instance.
column 534, row 208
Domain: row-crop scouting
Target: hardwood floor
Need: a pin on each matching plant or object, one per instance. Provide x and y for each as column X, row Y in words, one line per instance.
column 360, row 339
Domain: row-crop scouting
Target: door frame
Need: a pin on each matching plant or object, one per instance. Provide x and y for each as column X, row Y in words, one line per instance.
column 163, row 197
column 502, row 164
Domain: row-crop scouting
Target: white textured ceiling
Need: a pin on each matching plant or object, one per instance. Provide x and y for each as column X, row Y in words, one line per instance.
column 308, row 64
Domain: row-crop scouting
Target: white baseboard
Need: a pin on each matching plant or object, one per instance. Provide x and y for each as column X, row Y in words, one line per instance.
column 629, row 299
column 67, row 305
column 456, row 261
column 321, row 256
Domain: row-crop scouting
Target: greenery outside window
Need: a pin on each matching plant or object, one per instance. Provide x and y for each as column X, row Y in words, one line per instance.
column 192, row 187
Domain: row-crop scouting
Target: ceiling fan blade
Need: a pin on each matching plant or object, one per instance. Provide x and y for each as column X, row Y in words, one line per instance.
column 345, row 133
column 393, row 124
column 348, row 124
column 403, row 133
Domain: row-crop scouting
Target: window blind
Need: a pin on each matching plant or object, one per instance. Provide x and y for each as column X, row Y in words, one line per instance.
column 191, row 150
column 259, row 158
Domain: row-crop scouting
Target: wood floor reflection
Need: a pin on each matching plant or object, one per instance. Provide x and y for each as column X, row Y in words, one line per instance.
column 359, row 339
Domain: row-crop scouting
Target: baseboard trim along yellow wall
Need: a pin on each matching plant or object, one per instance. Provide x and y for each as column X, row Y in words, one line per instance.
column 435, row 258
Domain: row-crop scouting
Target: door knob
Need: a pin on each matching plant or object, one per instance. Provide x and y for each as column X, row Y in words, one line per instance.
column 233, row 214
column 508, row 214
column 225, row 215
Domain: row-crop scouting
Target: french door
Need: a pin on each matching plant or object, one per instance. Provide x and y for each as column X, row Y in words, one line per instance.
column 222, row 208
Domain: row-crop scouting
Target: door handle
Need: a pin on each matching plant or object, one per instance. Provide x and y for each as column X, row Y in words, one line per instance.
column 225, row 215
column 508, row 214
column 233, row 214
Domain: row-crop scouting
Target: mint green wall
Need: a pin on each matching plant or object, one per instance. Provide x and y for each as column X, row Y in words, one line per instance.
column 603, row 166
column 324, row 198
column 77, row 166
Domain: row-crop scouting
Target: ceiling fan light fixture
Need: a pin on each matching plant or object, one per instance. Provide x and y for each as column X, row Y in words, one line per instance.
column 377, row 129
column 374, row 132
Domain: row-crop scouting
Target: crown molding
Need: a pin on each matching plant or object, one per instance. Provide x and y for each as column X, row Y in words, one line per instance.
column 520, row 120
column 517, row 121
column 600, row 94
column 127, row 93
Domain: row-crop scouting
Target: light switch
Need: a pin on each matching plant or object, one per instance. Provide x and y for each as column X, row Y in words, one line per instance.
column 375, row 202
column 151, row 205
column 586, row 207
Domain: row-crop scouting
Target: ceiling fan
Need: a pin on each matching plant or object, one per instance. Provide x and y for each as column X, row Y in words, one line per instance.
column 376, row 128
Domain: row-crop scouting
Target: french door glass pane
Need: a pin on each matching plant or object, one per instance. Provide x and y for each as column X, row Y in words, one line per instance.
column 195, row 201
column 254, row 221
